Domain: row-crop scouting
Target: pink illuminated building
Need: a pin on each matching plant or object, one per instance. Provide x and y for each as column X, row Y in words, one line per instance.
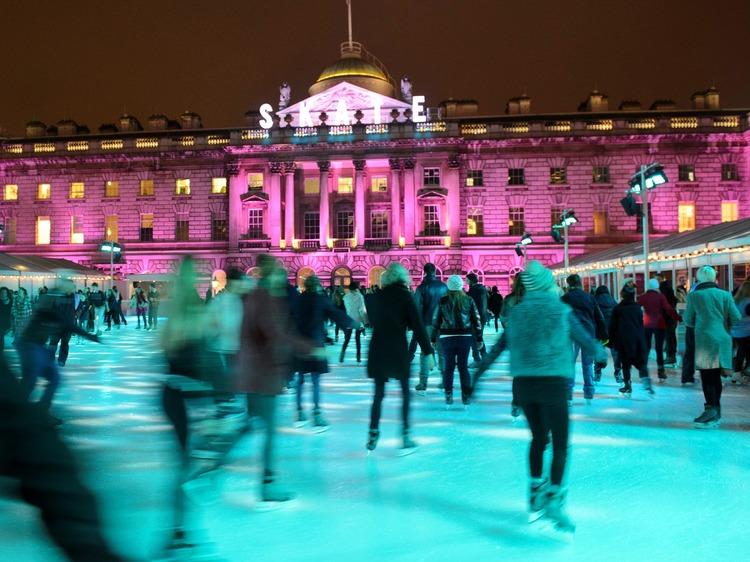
column 362, row 172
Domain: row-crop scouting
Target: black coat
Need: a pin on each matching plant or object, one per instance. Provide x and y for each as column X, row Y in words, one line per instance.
column 478, row 294
column 626, row 334
column 606, row 304
column 587, row 312
column 427, row 296
column 393, row 310
column 310, row 311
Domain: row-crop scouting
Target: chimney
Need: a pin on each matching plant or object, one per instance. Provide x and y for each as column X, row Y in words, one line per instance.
column 157, row 122
column 630, row 105
column 520, row 105
column 190, row 120
column 127, row 123
column 712, row 98
column 36, row 129
column 596, row 102
column 67, row 127
column 699, row 100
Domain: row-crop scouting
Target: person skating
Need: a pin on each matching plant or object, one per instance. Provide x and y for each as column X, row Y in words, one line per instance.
column 606, row 304
column 6, row 315
column 458, row 328
column 21, row 313
column 153, row 299
column 393, row 311
column 354, row 303
column 427, row 297
column 111, row 314
column 478, row 293
column 670, row 333
column 495, row 306
column 98, row 302
column 711, row 312
column 655, row 308
column 139, row 301
column 118, row 310
column 741, row 335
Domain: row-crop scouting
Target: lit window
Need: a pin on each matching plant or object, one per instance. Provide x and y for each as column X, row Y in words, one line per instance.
column 379, row 224
column 345, row 185
column 311, row 226
column 44, row 191
column 110, row 228
column 686, row 172
column 345, row 224
column 600, row 174
column 475, row 224
column 601, row 222
column 219, row 229
column 729, row 172
column 431, row 220
column 9, row 232
column 218, row 186
column 10, row 193
column 43, row 230
column 112, row 189
column 147, row 188
column 182, row 186
column 312, row 186
column 77, row 190
column 76, row 230
column 379, row 184
column 147, row 227
column 431, row 176
column 255, row 224
column 255, row 182
column 474, row 178
column 182, row 230
column 558, row 176
column 729, row 211
column 516, row 176
column 686, row 214
column 516, row 222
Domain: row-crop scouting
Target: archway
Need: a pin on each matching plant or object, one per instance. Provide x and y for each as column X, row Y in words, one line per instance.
column 302, row 274
column 479, row 273
column 374, row 276
column 341, row 276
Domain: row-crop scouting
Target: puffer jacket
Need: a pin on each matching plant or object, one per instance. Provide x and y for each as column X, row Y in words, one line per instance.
column 456, row 317
column 427, row 296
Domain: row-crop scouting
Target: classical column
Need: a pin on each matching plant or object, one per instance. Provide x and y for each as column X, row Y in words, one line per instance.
column 453, row 202
column 237, row 187
column 359, row 201
column 324, row 166
column 274, row 204
column 410, row 201
column 395, row 188
column 289, row 168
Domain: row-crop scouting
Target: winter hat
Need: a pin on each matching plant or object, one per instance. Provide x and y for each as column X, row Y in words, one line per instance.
column 455, row 283
column 653, row 284
column 536, row 277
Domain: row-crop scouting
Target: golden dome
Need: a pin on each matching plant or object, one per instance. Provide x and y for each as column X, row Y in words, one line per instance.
column 353, row 67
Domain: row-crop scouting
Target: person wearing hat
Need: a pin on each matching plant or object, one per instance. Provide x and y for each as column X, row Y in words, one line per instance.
column 627, row 339
column 655, row 309
column 478, row 293
column 540, row 336
column 458, row 327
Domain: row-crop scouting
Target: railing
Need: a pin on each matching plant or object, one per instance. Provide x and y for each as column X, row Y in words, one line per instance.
column 308, row 246
column 378, row 244
column 343, row 243
column 254, row 243
column 430, row 241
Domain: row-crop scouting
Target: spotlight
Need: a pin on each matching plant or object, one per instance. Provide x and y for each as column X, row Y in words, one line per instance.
column 568, row 218
column 653, row 176
column 630, row 206
column 526, row 239
column 556, row 236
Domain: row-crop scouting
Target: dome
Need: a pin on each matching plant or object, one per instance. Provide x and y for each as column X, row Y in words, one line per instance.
column 358, row 67
column 352, row 67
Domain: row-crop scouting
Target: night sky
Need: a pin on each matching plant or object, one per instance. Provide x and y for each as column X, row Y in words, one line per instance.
column 92, row 60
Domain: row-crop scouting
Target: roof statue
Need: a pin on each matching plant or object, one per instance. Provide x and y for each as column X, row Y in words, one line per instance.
column 406, row 89
column 285, row 95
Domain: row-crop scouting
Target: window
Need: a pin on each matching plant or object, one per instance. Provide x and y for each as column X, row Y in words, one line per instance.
column 9, row 231
column 147, row 227
column 77, row 190
column 182, row 230
column 729, row 172
column 475, row 224
column 76, row 230
column 44, row 191
column 43, row 230
column 558, row 176
column 146, row 188
column 10, row 193
column 345, row 185
column 219, row 229
column 255, row 182
column 379, row 184
column 686, row 216
column 182, row 186
column 344, row 224
column 516, row 176
column 218, row 186
column 112, row 189
column 600, row 174
column 379, row 224
column 311, row 226
column 516, row 224
column 474, row 178
column 255, row 224
column 312, row 186
column 686, row 172
column 431, row 176
column 554, row 215
column 729, row 211
column 431, row 220
column 601, row 222
column 110, row 228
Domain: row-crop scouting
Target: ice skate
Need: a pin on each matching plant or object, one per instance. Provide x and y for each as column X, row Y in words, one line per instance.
column 407, row 447
column 301, row 420
column 537, row 498
column 618, row 376
column 448, row 401
column 421, row 388
column 181, row 548
column 626, row 390
column 273, row 493
column 708, row 419
column 319, row 422
column 662, row 375
column 554, row 513
column 647, row 386
column 372, row 439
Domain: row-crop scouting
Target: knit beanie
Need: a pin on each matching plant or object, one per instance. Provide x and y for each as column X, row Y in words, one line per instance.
column 653, row 284
column 455, row 283
column 536, row 277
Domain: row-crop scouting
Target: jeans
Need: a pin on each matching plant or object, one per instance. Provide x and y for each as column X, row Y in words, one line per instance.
column 424, row 360
column 141, row 313
column 357, row 339
column 377, row 403
column 455, row 350
column 98, row 318
column 587, row 368
column 659, row 337
column 38, row 360
column 543, row 400
column 615, row 363
column 316, row 389
column 64, row 341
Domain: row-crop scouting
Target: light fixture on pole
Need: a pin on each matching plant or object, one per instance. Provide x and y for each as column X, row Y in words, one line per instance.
column 521, row 245
column 113, row 248
column 648, row 177
column 567, row 219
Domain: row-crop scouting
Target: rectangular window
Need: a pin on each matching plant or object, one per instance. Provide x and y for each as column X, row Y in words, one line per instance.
column 729, row 172
column 431, row 220
column 44, row 191
column 474, row 178
column 686, row 216
column 312, row 186
column 558, row 176
column 686, row 172
column 345, row 185
column 182, row 230
column 475, row 224
column 111, row 228
column 43, row 230
column 516, row 224
column 344, row 224
column 554, row 215
column 76, row 230
column 600, row 174
column 9, row 232
column 77, row 190
column 218, row 186
column 255, row 181
column 147, row 227
column 516, row 176
column 379, row 224
column 729, row 211
column 10, row 193
column 601, row 222
column 255, row 224
column 146, row 188
column 431, row 176
column 219, row 229
column 379, row 184
column 112, row 189
column 311, row 226
column 182, row 186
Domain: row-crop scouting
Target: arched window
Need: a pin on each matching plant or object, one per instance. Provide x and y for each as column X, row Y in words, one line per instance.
column 253, row 273
column 341, row 276
column 302, row 274
column 479, row 273
column 374, row 276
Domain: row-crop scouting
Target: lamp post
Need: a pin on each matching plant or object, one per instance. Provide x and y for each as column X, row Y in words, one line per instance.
column 521, row 246
column 567, row 219
column 113, row 248
column 648, row 177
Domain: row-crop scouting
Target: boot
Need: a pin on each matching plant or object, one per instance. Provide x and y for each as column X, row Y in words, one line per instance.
column 709, row 418
column 408, row 445
column 618, row 376
column 372, row 439
column 318, row 420
column 647, row 386
column 448, row 399
column 301, row 417
column 626, row 389
column 273, row 492
column 537, row 498
column 421, row 386
column 662, row 374
column 554, row 510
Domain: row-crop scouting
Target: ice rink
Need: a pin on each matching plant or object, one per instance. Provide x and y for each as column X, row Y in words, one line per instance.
column 644, row 485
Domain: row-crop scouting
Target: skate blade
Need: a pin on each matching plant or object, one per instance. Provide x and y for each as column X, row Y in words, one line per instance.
column 551, row 530
column 709, row 425
column 420, row 392
column 535, row 516
column 263, row 506
column 406, row 452
column 318, row 429
column 300, row 425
